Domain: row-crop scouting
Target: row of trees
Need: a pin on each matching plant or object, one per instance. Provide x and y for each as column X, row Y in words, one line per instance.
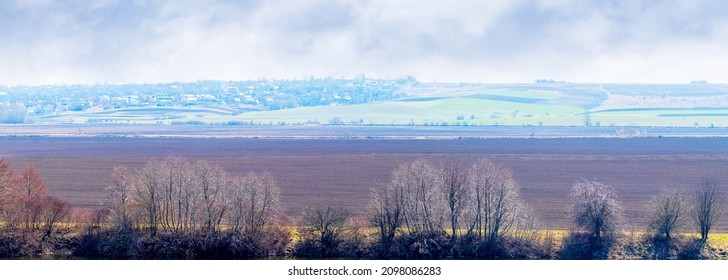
column 173, row 208
column 480, row 201
column 426, row 203
column 599, row 219
column 178, row 208
column 24, row 201
column 177, row 197
column 450, row 210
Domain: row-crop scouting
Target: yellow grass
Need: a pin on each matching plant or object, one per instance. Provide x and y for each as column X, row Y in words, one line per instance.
column 718, row 242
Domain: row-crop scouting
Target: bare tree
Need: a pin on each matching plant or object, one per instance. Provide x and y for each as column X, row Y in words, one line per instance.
column 178, row 197
column 186, row 196
column 254, row 201
column 30, row 183
column 526, row 224
column 417, row 186
column 29, row 192
column 496, row 204
column 7, row 184
column 325, row 222
column 596, row 210
column 237, row 217
column 170, row 194
column 6, row 175
column 385, row 212
column 211, row 182
column 119, row 195
column 90, row 220
column 707, row 209
column 264, row 201
column 54, row 210
column 147, row 195
column 668, row 213
column 455, row 192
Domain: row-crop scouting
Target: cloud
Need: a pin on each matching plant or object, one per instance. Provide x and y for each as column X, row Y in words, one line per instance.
column 45, row 42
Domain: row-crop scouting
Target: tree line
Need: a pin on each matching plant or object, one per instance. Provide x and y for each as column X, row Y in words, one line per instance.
column 178, row 208
column 25, row 203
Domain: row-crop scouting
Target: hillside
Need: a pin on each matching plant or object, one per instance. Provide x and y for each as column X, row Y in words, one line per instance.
column 527, row 104
column 406, row 102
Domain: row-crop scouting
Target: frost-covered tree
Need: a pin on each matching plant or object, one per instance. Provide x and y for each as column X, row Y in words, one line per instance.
column 596, row 210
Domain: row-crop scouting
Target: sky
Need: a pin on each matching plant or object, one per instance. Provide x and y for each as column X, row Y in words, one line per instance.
column 137, row 41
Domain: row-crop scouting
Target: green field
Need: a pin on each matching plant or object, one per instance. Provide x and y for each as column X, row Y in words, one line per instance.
column 466, row 105
column 447, row 111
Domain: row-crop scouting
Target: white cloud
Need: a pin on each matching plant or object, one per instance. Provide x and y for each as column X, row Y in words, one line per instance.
column 489, row 41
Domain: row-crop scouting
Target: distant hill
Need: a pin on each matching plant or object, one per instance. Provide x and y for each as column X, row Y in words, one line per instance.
column 552, row 104
column 381, row 102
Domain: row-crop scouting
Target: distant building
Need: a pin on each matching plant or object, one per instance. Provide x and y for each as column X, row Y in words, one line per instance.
column 164, row 100
column 189, row 99
column 206, row 97
column 133, row 100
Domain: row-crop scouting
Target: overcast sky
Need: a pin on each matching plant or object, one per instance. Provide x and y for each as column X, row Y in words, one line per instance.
column 65, row 42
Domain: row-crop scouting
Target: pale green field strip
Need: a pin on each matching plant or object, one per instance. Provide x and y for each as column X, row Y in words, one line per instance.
column 442, row 104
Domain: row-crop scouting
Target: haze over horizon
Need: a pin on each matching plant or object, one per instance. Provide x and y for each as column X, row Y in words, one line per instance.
column 80, row 42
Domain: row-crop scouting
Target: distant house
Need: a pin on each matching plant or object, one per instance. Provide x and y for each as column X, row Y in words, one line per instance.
column 164, row 100
column 189, row 99
column 206, row 98
column 133, row 100
column 250, row 100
